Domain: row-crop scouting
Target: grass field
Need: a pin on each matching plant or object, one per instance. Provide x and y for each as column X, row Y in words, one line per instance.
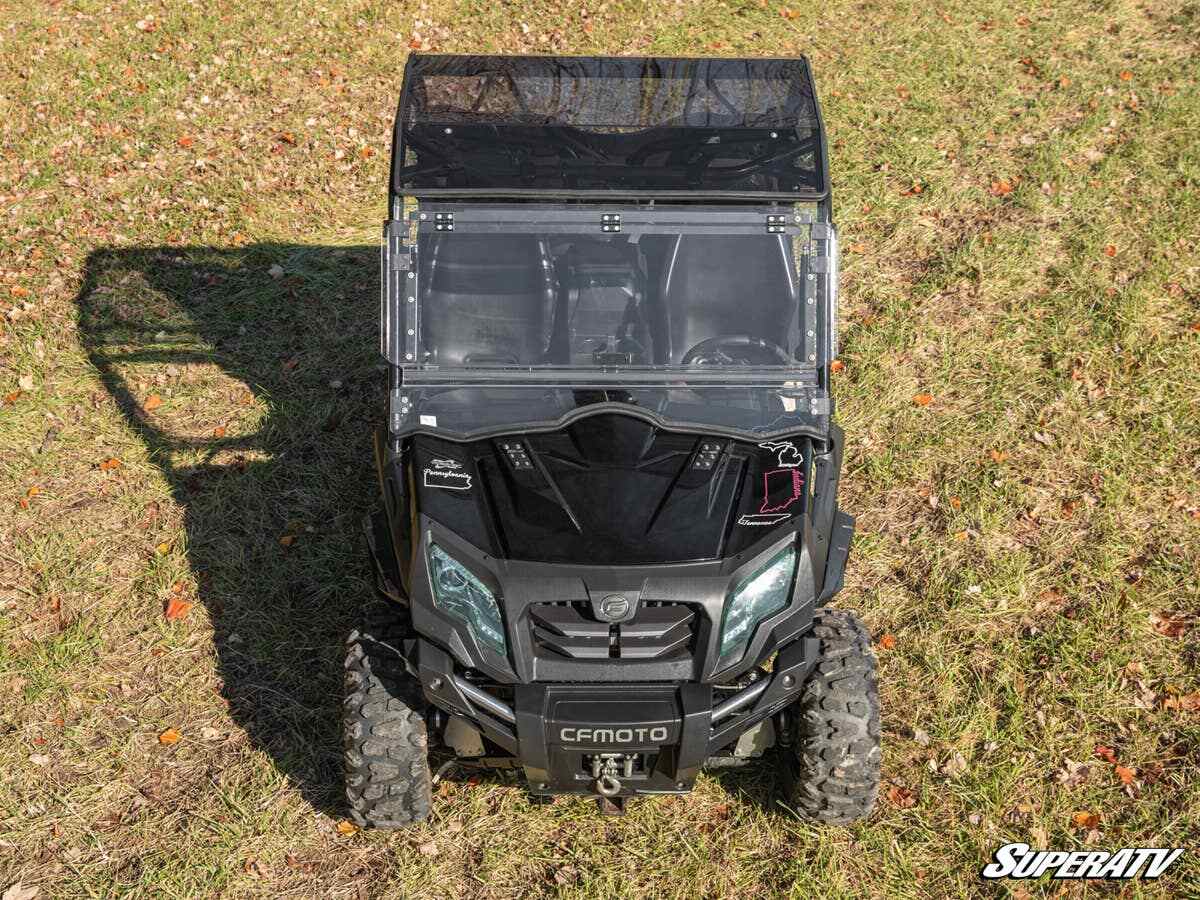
column 1018, row 188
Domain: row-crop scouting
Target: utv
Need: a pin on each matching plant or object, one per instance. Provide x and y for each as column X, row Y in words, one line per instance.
column 609, row 527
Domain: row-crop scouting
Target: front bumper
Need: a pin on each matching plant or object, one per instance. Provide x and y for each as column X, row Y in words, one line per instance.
column 661, row 733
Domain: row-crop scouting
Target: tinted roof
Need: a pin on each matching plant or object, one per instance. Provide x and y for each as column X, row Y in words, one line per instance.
column 609, row 126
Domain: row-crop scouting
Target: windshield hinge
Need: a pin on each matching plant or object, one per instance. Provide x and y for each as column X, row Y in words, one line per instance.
column 820, row 406
column 610, row 222
column 776, row 223
column 400, row 408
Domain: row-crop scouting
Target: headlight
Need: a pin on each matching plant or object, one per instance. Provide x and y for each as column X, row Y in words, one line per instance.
column 460, row 594
column 761, row 595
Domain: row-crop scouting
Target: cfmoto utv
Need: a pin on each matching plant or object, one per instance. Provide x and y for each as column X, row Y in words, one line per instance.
column 609, row 528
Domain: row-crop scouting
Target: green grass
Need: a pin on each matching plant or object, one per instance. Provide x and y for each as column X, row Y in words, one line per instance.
column 1015, row 535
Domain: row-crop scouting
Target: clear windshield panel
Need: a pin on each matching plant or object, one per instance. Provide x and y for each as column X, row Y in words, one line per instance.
column 708, row 303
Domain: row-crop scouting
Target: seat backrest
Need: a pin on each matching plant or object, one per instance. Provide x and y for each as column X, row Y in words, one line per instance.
column 485, row 299
column 721, row 285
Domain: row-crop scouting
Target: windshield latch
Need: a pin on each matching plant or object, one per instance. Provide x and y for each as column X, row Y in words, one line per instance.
column 610, row 222
column 776, row 224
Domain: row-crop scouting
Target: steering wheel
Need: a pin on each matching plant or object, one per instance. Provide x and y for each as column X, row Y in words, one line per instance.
column 736, row 350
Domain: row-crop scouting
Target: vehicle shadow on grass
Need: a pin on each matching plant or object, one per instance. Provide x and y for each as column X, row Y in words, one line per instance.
column 269, row 387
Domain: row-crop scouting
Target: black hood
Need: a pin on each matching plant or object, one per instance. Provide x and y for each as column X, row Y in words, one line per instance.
column 611, row 489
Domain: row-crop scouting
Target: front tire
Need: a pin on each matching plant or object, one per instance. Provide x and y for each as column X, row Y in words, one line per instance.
column 388, row 784
column 835, row 757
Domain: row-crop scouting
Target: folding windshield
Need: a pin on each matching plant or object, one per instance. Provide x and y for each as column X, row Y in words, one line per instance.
column 612, row 126
column 503, row 315
column 609, row 302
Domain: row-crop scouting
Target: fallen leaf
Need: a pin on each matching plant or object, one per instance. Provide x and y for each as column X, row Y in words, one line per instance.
column 346, row 827
column 789, row 13
column 20, row 891
column 901, row 797
column 170, row 736
column 955, row 503
column 1085, row 819
column 186, row 140
column 1169, row 624
column 251, row 867
column 33, row 492
column 366, row 152
column 955, row 765
column 276, row 271
column 162, row 549
column 1126, row 775
column 428, row 849
column 287, row 540
column 858, row 247
column 25, row 382
column 837, row 366
column 17, row 291
column 1001, row 188
column 998, row 456
column 887, row 641
column 1126, row 75
column 1110, row 250
column 40, row 759
column 12, row 396
column 178, row 608
column 219, row 431
column 153, row 402
column 922, row 399
column 1106, row 753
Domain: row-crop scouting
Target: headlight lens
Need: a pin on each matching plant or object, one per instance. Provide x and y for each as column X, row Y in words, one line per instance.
column 460, row 594
column 761, row 595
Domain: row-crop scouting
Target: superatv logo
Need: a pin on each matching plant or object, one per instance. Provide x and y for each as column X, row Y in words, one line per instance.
column 613, row 735
column 1020, row 861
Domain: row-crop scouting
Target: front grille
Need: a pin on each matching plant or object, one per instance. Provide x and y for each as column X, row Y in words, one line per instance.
column 659, row 631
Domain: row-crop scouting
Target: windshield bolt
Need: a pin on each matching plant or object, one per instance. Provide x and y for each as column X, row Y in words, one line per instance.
column 408, row 356
column 412, row 274
column 414, row 300
column 811, row 333
column 449, row 131
column 411, row 332
column 812, row 277
column 424, row 216
column 812, row 357
column 774, row 134
column 811, row 301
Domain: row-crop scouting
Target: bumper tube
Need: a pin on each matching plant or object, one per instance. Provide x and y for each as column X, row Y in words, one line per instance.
column 742, row 698
column 480, row 697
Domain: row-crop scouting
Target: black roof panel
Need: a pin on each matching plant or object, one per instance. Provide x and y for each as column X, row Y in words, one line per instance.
column 511, row 126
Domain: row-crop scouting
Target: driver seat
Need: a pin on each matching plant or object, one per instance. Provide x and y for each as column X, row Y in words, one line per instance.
column 714, row 285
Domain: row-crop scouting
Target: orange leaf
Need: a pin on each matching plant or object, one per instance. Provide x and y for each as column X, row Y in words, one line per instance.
column 346, row 827
column 366, row 152
column 789, row 13
column 922, row 399
column 23, row 503
column 162, row 549
column 955, row 503
column 887, row 642
column 837, row 366
column 1110, row 250
column 1126, row 75
column 11, row 397
column 109, row 464
column 1086, row 819
column 33, row 492
column 286, row 137
column 859, row 247
column 901, row 797
column 153, row 402
column 178, row 608
column 1126, row 775
column 186, row 140
column 17, row 291
column 219, row 431
column 998, row 456
column 1001, row 188
column 287, row 540
column 170, row 736
column 1106, row 753
column 961, row 536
